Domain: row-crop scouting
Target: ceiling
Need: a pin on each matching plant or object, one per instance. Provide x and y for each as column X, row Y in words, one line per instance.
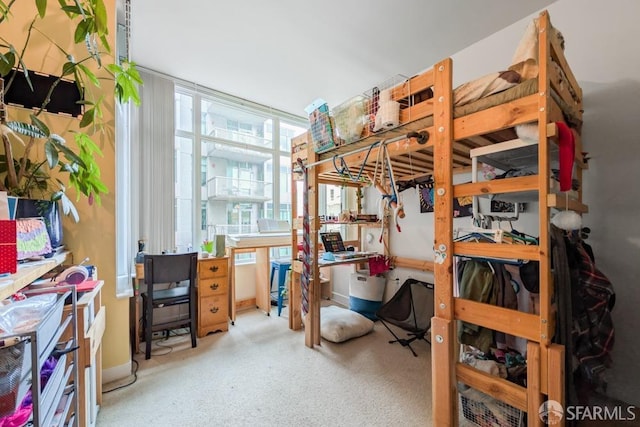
column 286, row 53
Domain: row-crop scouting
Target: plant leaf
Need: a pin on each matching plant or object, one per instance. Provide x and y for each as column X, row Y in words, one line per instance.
column 82, row 30
column 68, row 68
column 7, row 63
column 72, row 10
column 101, row 18
column 26, row 129
column 57, row 138
column 90, row 75
column 40, row 125
column 69, row 154
column 25, row 71
column 87, row 117
column 68, row 208
column 51, row 153
column 42, row 7
column 105, row 43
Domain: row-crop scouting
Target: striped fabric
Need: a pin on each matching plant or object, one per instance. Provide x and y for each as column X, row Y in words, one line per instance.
column 306, row 246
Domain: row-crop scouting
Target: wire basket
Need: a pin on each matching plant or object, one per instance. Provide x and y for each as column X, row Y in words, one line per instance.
column 12, row 387
column 483, row 410
column 350, row 119
column 383, row 106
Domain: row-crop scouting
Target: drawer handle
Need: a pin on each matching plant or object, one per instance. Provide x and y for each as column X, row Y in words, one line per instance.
column 214, row 310
column 214, row 268
column 214, row 287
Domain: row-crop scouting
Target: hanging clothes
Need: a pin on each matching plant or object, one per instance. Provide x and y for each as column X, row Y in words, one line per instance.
column 563, row 297
column 584, row 325
column 593, row 333
column 477, row 283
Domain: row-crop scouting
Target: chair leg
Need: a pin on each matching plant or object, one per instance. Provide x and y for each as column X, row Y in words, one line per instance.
column 192, row 323
column 405, row 342
column 148, row 331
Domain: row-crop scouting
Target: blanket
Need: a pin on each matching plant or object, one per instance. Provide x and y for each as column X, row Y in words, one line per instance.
column 484, row 86
column 525, row 58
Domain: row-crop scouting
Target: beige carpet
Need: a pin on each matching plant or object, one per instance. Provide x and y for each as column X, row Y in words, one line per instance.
column 260, row 373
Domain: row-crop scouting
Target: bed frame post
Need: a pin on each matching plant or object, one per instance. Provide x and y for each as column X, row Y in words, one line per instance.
column 445, row 402
column 312, row 324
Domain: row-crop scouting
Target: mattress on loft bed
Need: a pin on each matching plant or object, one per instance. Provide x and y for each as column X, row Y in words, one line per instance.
column 521, row 90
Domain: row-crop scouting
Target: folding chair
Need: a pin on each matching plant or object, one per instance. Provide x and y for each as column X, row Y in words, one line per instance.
column 410, row 309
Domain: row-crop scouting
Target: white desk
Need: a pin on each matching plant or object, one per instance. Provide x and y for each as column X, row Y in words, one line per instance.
column 260, row 244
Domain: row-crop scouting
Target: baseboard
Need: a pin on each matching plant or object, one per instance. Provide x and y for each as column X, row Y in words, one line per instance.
column 245, row 304
column 340, row 299
column 116, row 373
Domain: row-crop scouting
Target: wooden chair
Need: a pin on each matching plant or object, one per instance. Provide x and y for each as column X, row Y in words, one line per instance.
column 170, row 270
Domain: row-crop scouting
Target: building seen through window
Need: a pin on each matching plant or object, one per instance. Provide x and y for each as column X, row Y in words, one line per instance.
column 243, row 171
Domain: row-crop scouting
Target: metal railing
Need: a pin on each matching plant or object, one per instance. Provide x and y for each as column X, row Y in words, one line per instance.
column 222, row 187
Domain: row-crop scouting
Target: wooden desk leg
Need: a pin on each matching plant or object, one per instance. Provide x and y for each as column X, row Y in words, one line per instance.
column 295, row 301
column 232, row 282
column 263, row 293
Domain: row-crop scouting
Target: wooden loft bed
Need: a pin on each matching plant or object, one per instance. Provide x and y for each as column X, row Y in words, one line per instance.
column 455, row 133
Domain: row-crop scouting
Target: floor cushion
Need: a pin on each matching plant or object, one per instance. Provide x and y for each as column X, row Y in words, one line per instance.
column 339, row 324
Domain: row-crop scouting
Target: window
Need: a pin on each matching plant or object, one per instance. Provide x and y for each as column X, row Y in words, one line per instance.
column 203, row 172
column 244, row 171
column 184, row 193
column 184, row 112
column 203, row 216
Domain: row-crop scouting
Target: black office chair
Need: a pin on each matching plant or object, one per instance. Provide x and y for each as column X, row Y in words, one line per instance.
column 171, row 270
column 410, row 309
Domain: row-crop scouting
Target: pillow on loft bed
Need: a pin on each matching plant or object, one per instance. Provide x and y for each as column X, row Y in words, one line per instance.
column 339, row 324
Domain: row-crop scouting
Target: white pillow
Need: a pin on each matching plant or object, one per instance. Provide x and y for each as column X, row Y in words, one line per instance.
column 339, row 324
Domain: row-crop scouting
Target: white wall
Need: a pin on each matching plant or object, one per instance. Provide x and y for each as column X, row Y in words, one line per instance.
column 602, row 49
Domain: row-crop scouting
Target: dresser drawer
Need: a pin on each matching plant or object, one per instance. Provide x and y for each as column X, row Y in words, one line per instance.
column 213, row 309
column 214, row 286
column 216, row 267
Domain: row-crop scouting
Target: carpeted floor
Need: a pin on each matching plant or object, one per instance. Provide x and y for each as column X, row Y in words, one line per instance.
column 260, row 373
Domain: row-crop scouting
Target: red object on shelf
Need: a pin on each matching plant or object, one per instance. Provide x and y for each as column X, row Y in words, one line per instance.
column 87, row 285
column 8, row 247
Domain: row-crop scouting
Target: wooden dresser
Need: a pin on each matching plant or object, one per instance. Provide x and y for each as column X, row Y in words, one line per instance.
column 213, row 295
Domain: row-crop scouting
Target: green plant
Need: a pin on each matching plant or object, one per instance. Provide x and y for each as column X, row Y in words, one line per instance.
column 207, row 246
column 20, row 175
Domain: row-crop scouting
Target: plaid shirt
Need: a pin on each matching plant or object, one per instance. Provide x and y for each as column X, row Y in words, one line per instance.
column 593, row 332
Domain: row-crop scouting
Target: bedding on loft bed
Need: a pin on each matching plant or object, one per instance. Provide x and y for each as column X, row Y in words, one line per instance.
column 519, row 81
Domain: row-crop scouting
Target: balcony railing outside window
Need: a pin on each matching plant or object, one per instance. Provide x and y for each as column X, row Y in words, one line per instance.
column 240, row 136
column 225, row 188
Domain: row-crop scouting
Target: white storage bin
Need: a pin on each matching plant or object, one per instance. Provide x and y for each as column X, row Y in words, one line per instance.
column 366, row 293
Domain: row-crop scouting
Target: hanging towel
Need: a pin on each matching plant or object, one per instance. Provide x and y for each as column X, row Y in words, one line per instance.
column 567, row 149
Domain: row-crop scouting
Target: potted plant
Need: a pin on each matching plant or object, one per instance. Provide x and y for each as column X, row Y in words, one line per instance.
column 63, row 165
column 207, row 247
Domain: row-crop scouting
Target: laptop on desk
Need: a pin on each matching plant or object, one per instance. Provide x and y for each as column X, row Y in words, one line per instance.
column 332, row 242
